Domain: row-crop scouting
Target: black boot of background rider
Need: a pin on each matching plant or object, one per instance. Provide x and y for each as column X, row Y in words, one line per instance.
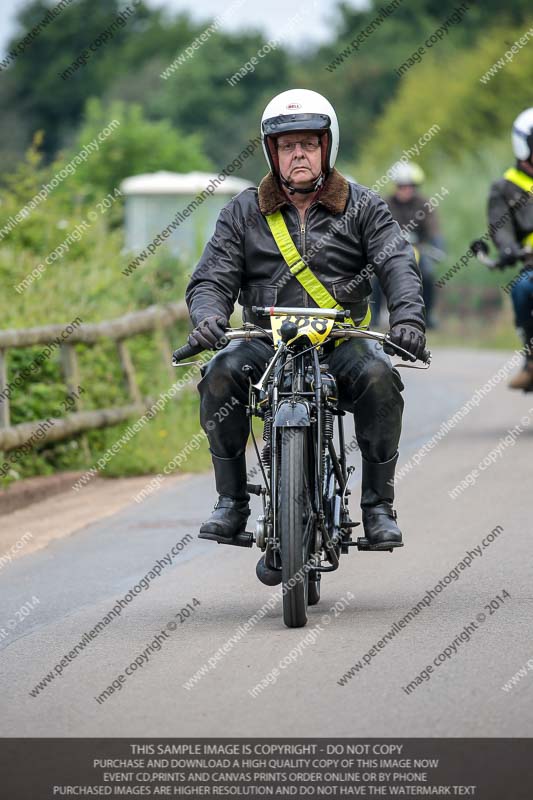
column 231, row 511
column 377, row 497
column 524, row 379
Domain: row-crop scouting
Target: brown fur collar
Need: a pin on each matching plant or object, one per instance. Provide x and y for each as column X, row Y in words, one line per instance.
column 333, row 196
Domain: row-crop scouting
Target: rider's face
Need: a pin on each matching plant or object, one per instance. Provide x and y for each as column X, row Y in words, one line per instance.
column 405, row 193
column 300, row 157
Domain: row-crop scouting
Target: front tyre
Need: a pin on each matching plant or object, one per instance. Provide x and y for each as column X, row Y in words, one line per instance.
column 295, row 519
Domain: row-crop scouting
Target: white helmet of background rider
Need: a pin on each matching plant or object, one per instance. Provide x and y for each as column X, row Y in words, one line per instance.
column 300, row 110
column 406, row 173
column 522, row 135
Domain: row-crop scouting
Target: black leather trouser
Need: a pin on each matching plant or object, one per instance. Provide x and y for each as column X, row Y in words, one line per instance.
column 367, row 383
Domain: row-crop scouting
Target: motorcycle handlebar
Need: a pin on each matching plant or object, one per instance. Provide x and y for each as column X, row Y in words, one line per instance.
column 481, row 252
column 187, row 351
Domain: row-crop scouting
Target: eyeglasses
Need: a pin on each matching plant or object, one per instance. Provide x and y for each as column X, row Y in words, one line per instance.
column 308, row 145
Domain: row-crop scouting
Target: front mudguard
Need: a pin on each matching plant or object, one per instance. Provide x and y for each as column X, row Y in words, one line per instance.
column 291, row 414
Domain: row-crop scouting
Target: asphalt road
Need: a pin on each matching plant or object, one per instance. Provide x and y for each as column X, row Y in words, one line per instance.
column 75, row 581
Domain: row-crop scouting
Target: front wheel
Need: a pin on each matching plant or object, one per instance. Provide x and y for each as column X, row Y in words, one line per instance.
column 296, row 521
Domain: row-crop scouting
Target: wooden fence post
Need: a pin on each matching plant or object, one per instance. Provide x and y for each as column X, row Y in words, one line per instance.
column 165, row 350
column 4, row 400
column 128, row 370
column 69, row 366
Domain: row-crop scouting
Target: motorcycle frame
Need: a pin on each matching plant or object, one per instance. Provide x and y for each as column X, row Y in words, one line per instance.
column 294, row 408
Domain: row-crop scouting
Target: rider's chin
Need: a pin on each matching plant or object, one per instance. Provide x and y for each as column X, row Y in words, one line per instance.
column 302, row 177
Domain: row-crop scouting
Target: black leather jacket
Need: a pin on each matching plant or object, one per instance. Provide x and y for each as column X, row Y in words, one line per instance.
column 418, row 215
column 510, row 212
column 348, row 233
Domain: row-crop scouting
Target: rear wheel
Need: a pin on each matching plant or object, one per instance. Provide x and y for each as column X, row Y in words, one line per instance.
column 296, row 524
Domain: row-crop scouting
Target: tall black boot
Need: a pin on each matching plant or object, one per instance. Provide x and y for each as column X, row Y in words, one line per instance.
column 231, row 511
column 524, row 379
column 377, row 497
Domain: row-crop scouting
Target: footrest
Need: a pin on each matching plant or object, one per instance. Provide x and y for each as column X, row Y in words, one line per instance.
column 245, row 539
column 254, row 488
column 364, row 544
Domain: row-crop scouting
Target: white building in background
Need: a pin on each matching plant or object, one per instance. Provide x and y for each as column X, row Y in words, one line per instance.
column 155, row 199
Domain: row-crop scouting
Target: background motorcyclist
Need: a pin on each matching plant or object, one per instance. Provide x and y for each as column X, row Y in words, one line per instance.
column 300, row 137
column 420, row 223
column 510, row 212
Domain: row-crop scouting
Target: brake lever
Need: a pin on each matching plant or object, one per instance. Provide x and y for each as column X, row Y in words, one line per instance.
column 425, row 364
column 411, row 366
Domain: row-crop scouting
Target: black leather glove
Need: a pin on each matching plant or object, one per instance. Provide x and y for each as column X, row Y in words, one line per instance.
column 209, row 332
column 509, row 256
column 406, row 335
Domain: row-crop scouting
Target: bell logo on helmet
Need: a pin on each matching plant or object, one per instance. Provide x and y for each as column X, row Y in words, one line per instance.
column 293, row 106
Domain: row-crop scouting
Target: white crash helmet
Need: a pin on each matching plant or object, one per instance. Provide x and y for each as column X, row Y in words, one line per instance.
column 522, row 135
column 406, row 173
column 300, row 110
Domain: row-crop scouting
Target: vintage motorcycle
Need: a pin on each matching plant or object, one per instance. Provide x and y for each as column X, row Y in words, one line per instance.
column 305, row 525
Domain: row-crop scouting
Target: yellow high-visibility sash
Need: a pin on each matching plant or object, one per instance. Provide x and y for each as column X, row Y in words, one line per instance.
column 524, row 182
column 519, row 178
column 301, row 271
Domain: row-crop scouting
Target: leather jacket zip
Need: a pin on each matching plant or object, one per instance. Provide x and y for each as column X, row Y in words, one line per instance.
column 302, row 243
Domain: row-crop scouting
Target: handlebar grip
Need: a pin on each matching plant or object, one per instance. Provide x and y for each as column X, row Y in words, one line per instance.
column 186, row 352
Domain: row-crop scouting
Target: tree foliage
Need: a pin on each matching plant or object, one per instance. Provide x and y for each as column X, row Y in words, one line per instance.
column 137, row 145
column 197, row 97
column 469, row 113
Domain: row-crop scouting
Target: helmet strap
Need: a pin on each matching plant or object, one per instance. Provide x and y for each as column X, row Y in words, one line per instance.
column 317, row 184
